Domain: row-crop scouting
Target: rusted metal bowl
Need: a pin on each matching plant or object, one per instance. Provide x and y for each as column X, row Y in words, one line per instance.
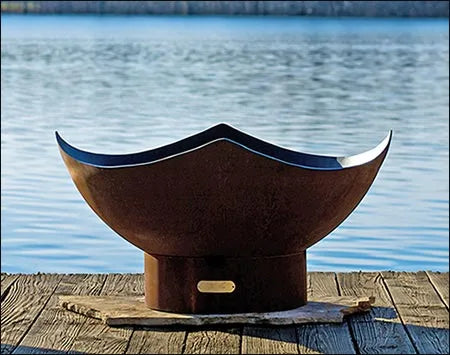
column 224, row 218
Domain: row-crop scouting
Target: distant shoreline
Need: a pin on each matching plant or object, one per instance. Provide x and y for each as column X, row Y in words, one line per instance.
column 257, row 8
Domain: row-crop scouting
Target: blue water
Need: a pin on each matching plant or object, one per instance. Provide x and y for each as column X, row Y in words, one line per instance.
column 116, row 84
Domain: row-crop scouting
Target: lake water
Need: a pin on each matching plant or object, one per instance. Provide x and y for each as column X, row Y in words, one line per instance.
column 117, row 84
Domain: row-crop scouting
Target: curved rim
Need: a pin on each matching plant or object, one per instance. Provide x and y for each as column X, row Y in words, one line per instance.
column 223, row 132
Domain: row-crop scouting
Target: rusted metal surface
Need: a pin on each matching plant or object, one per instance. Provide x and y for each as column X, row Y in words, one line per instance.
column 261, row 284
column 222, row 197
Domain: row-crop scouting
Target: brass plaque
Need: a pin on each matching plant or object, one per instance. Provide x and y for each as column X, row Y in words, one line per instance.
column 216, row 286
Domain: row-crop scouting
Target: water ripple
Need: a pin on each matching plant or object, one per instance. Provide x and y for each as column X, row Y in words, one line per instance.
column 325, row 86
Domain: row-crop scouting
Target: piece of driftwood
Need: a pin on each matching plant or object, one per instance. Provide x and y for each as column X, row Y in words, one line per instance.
column 120, row 310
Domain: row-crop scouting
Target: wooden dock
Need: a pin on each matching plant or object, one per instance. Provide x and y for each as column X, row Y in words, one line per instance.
column 410, row 315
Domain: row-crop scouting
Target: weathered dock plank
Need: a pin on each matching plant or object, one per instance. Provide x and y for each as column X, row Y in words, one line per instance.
column 421, row 310
column 379, row 331
column 155, row 340
column 98, row 338
column 56, row 328
column 440, row 281
column 410, row 315
column 269, row 340
column 22, row 305
column 324, row 338
column 304, row 339
column 217, row 341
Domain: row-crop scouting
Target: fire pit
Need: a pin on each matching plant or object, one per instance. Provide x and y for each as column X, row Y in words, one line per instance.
column 224, row 219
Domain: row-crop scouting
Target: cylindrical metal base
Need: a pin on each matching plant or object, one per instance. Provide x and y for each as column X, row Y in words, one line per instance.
column 225, row 284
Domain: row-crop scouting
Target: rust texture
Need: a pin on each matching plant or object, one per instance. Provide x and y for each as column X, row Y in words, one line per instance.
column 223, row 212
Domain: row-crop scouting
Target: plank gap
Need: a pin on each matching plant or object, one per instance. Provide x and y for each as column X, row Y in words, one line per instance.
column 5, row 292
column 436, row 289
column 338, row 287
column 352, row 337
column 323, row 338
column 129, row 341
column 349, row 325
column 37, row 315
column 183, row 348
column 240, row 339
column 55, row 322
column 378, row 331
column 398, row 313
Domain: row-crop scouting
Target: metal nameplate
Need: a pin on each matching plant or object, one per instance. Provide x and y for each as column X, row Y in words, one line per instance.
column 217, row 286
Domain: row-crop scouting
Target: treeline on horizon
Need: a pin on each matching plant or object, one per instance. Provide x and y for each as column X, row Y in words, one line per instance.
column 290, row 8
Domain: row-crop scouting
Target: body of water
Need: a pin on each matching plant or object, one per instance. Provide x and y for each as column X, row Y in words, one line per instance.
column 117, row 84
